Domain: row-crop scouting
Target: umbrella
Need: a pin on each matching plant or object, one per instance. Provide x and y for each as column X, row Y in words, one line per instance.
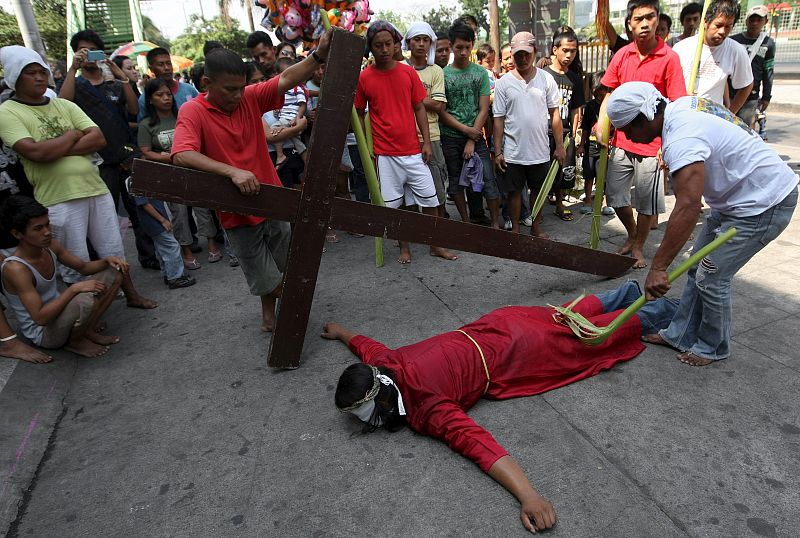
column 134, row 48
column 179, row 63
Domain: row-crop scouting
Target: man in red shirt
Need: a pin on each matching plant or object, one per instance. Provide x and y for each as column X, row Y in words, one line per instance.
column 396, row 96
column 221, row 132
column 508, row 353
column 646, row 59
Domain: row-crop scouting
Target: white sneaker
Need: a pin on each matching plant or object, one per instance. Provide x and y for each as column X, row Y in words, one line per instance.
column 527, row 221
column 507, row 225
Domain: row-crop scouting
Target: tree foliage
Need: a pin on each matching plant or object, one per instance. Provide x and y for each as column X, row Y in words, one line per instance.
column 440, row 18
column 51, row 18
column 190, row 42
column 152, row 33
column 480, row 10
column 399, row 20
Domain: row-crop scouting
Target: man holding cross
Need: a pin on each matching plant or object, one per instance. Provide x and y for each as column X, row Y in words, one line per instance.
column 220, row 131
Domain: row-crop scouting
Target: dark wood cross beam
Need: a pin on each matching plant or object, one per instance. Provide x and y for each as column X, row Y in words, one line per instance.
column 315, row 208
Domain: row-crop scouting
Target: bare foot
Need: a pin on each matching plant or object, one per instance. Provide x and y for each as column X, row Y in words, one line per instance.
column 14, row 349
column 141, row 302
column 267, row 325
column 102, row 340
column 100, row 327
column 655, row 339
column 330, row 237
column 443, row 253
column 405, row 255
column 641, row 262
column 625, row 249
column 693, row 360
column 86, row 348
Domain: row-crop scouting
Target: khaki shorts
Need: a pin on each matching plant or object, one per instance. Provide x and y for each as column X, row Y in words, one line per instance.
column 262, row 250
column 438, row 168
column 626, row 170
column 75, row 315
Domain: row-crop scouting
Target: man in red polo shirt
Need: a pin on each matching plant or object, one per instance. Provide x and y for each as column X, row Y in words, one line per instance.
column 647, row 59
column 221, row 132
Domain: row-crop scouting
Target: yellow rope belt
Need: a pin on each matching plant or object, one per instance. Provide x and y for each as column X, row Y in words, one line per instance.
column 483, row 358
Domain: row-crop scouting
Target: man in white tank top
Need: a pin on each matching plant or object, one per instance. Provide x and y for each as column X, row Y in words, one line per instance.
column 28, row 277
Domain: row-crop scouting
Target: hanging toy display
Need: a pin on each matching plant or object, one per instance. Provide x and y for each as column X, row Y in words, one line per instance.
column 295, row 21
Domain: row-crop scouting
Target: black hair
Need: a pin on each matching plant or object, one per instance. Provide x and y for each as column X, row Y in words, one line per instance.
column 565, row 32
column 119, row 60
column 283, row 46
column 597, row 80
column 224, row 62
column 724, row 8
column 442, row 35
column 158, row 51
column 666, row 18
column 17, row 211
column 636, row 4
column 284, row 63
column 254, row 39
column 690, row 9
column 196, row 74
column 355, row 382
column 252, row 67
column 150, row 111
column 211, row 45
column 467, row 19
column 484, row 51
column 86, row 35
column 460, row 31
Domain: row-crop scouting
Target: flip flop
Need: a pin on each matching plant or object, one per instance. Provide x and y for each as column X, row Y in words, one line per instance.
column 585, row 210
column 566, row 215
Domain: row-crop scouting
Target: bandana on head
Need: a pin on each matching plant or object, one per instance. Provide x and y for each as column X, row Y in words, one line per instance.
column 418, row 29
column 378, row 379
column 15, row 58
column 632, row 99
column 381, row 26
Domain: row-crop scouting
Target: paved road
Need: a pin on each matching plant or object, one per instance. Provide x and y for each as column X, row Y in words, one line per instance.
column 183, row 431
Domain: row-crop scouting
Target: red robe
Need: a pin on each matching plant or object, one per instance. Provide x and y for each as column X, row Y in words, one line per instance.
column 526, row 353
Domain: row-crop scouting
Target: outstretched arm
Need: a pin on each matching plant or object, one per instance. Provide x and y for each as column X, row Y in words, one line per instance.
column 536, row 512
column 334, row 331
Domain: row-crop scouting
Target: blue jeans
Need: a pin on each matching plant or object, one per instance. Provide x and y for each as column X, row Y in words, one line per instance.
column 653, row 316
column 168, row 251
column 702, row 324
column 358, row 179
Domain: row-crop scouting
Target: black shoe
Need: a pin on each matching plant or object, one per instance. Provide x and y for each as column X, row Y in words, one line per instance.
column 151, row 264
column 181, row 282
column 483, row 220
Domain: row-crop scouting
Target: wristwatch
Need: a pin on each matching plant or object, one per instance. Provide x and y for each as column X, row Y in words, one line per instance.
column 316, row 57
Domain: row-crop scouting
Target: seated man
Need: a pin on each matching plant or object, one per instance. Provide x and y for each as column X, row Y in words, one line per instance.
column 432, row 384
column 28, row 279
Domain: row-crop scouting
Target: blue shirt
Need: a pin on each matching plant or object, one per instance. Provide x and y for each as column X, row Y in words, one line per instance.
column 151, row 226
column 185, row 93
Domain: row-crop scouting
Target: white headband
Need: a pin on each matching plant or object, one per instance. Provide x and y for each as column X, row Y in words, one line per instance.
column 632, row 99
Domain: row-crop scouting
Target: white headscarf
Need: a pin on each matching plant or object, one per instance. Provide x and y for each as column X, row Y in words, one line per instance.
column 16, row 58
column 632, row 99
column 421, row 28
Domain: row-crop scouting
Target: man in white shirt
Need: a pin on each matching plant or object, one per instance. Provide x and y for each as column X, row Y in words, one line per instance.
column 526, row 100
column 711, row 154
column 721, row 59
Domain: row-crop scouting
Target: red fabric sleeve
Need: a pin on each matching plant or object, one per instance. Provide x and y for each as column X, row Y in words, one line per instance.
column 588, row 307
column 418, row 93
column 676, row 83
column 448, row 422
column 266, row 94
column 366, row 348
column 611, row 78
column 360, row 101
column 188, row 130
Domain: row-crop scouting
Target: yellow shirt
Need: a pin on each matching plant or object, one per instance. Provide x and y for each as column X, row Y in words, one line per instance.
column 62, row 180
column 432, row 78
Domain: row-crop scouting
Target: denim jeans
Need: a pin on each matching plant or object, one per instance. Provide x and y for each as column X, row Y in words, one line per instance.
column 358, row 179
column 168, row 251
column 653, row 316
column 702, row 324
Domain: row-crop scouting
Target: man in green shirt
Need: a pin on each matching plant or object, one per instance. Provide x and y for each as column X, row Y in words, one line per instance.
column 467, row 90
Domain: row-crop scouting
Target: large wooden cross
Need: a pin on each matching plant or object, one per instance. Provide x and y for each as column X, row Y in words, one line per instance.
column 315, row 207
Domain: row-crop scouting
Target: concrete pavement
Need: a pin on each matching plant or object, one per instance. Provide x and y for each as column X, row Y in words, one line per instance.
column 182, row 430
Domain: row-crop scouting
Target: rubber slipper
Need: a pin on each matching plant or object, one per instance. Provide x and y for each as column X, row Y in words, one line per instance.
column 564, row 215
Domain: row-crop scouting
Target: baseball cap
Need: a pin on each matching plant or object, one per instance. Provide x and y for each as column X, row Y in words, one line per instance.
column 523, row 41
column 761, row 11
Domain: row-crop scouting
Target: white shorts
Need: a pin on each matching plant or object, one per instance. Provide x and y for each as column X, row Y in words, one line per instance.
column 406, row 180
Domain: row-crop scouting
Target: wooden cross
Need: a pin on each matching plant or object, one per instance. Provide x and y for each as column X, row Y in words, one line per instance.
column 315, row 208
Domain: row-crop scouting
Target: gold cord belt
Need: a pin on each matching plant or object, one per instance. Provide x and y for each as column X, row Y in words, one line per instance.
column 483, row 358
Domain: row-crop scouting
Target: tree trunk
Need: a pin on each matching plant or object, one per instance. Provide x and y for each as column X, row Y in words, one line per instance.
column 494, row 33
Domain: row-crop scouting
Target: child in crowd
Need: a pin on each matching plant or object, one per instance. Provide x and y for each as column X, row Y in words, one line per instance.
column 591, row 149
column 294, row 106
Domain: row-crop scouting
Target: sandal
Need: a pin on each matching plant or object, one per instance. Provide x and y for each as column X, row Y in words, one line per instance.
column 585, row 210
column 565, row 214
column 192, row 265
column 214, row 256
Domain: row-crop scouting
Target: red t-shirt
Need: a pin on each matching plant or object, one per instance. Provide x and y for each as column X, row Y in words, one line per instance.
column 661, row 68
column 392, row 96
column 237, row 139
column 526, row 353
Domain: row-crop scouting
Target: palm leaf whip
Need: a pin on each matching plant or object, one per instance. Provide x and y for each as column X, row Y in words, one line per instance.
column 604, row 128
column 691, row 89
column 592, row 335
column 366, row 161
column 548, row 182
